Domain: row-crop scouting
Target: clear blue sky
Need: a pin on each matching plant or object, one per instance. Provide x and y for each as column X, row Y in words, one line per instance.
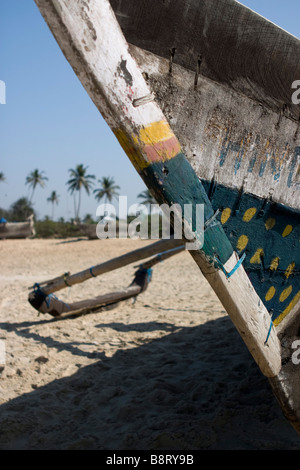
column 50, row 123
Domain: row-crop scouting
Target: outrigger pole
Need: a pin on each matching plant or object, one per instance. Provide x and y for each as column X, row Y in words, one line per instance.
column 42, row 299
column 69, row 280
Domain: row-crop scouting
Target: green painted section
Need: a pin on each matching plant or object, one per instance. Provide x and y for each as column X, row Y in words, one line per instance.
column 269, row 234
column 175, row 181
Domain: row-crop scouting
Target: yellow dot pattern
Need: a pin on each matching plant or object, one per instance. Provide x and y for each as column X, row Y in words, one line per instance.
column 249, row 214
column 285, row 293
column 270, row 223
column 273, row 291
column 274, row 263
column 242, row 242
column 225, row 215
column 256, row 258
column 288, row 229
column 270, row 294
column 289, row 270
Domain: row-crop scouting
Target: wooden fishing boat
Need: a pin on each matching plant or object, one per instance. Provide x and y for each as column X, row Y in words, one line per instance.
column 200, row 95
column 89, row 230
column 17, row 229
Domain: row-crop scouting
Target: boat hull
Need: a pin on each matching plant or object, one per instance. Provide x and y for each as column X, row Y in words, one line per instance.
column 248, row 169
column 17, row 230
column 202, row 123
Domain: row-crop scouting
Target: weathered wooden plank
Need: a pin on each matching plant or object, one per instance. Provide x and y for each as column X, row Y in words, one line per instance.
column 286, row 385
column 233, row 113
column 91, row 39
column 232, row 295
column 44, row 303
column 70, row 280
column 233, row 45
column 58, row 308
column 248, row 167
column 227, row 137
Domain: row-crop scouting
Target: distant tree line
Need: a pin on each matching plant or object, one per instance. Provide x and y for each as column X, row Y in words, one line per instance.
column 79, row 180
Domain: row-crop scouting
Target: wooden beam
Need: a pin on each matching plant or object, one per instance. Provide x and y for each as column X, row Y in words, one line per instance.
column 68, row 280
column 93, row 43
column 228, row 138
column 232, row 44
column 248, row 167
column 44, row 303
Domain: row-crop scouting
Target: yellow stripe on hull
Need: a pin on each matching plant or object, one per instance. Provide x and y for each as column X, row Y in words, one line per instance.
column 287, row 310
column 154, row 143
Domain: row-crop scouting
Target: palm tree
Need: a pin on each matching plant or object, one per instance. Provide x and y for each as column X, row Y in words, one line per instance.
column 21, row 209
column 53, row 198
column 88, row 219
column 108, row 189
column 35, row 178
column 79, row 179
column 147, row 198
column 2, row 176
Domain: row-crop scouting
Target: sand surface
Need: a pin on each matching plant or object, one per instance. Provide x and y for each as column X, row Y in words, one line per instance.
column 169, row 372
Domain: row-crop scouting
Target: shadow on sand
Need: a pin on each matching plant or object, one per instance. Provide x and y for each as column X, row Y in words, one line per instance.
column 72, row 240
column 196, row 388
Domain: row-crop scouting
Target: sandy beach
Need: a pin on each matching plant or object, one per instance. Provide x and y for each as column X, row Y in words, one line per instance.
column 168, row 372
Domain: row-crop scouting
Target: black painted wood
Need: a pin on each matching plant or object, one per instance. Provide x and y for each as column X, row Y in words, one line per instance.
column 232, row 45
